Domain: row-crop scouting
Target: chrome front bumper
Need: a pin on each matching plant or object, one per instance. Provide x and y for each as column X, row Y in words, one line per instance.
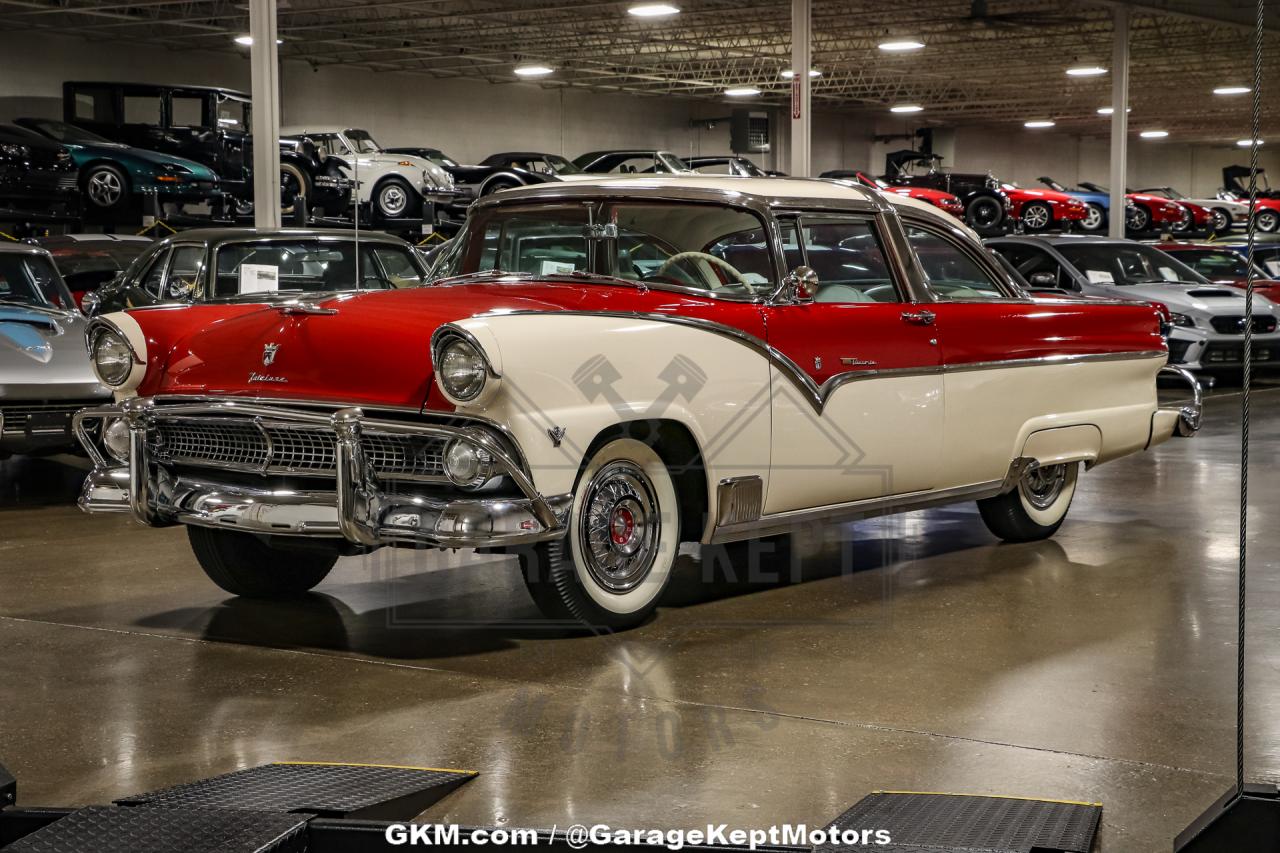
column 359, row 507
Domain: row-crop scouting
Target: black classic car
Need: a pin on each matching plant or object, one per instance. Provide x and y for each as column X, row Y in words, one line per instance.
column 986, row 207
column 209, row 125
column 632, row 161
column 37, row 175
column 234, row 263
column 496, row 172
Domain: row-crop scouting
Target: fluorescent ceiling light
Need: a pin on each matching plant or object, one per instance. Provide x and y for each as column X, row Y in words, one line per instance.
column 787, row 73
column 1246, row 143
column 901, row 45
column 653, row 10
column 1232, row 90
column 533, row 70
column 1086, row 71
column 742, row 91
column 1106, row 111
column 1154, row 134
column 905, row 108
column 1039, row 123
column 247, row 40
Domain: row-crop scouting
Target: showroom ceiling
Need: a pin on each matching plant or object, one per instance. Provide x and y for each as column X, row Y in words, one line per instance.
column 996, row 61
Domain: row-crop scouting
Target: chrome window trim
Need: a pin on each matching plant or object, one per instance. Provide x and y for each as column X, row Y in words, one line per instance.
column 958, row 239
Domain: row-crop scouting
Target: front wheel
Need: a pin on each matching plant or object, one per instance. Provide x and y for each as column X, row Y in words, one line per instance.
column 245, row 565
column 1137, row 218
column 984, row 212
column 1036, row 217
column 106, row 188
column 612, row 567
column 1267, row 221
column 1036, row 507
column 1221, row 221
column 1095, row 218
column 295, row 184
column 394, row 199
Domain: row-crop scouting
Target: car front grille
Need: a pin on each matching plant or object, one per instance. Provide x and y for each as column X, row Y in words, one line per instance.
column 273, row 448
column 1235, row 325
column 49, row 418
column 1233, row 354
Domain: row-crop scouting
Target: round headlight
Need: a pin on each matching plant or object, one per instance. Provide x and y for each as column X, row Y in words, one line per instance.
column 115, row 438
column 467, row 465
column 462, row 370
column 112, row 358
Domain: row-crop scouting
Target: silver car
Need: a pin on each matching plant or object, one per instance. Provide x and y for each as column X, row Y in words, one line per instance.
column 45, row 375
column 1208, row 319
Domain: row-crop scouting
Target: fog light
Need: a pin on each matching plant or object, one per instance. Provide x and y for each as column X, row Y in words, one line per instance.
column 467, row 465
column 116, row 439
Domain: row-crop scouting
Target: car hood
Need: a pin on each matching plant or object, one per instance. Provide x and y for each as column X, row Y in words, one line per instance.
column 1031, row 195
column 438, row 174
column 921, row 193
column 42, row 354
column 1207, row 300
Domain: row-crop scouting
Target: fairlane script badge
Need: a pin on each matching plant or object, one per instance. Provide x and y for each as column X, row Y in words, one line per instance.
column 262, row 377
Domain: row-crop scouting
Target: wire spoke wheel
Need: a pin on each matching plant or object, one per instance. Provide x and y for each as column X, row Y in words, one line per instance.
column 618, row 527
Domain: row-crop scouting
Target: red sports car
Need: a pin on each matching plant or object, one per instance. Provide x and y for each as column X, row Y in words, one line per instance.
column 607, row 370
column 944, row 200
column 1042, row 209
column 1194, row 218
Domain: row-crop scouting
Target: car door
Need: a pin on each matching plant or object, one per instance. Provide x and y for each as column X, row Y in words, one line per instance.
column 857, row 403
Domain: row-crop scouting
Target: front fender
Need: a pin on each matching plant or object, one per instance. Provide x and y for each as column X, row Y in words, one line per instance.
column 576, row 375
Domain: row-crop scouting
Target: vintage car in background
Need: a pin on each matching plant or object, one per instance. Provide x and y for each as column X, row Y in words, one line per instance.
column 209, row 125
column 497, row 172
column 632, row 162
column 1208, row 319
column 396, row 186
column 937, row 198
column 88, row 261
column 113, row 176
column 37, row 175
column 1235, row 188
column 1224, row 214
column 1041, row 210
column 986, row 207
column 1224, row 265
column 45, row 376
column 221, row 264
column 728, row 164
column 611, row 369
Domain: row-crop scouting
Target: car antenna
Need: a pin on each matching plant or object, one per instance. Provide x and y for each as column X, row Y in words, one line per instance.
column 356, row 189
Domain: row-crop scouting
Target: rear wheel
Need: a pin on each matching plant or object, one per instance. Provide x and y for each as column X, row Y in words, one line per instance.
column 1268, row 221
column 1036, row 507
column 294, row 185
column 1184, row 223
column 243, row 564
column 106, row 188
column 984, row 212
column 1221, row 221
column 612, row 567
column 1036, row 216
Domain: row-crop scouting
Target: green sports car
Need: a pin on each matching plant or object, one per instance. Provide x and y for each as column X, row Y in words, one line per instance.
column 112, row 175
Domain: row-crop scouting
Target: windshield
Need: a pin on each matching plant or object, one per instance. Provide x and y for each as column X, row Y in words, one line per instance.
column 313, row 266
column 32, row 280
column 555, row 163
column 1128, row 263
column 673, row 163
column 93, row 256
column 1216, row 263
column 1164, row 192
column 64, row 132
column 440, row 158
column 705, row 247
column 362, row 142
column 233, row 114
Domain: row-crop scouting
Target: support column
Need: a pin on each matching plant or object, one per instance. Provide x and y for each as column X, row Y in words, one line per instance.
column 801, row 61
column 265, row 68
column 1119, row 120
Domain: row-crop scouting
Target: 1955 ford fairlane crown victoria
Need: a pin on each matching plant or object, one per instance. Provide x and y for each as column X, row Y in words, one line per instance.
column 608, row 369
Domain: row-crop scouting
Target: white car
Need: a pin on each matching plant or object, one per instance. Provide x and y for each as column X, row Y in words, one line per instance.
column 1207, row 319
column 395, row 185
column 1226, row 212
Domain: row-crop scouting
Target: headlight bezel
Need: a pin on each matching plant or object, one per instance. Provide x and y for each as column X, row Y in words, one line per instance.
column 453, row 339
column 122, row 361
column 1182, row 321
column 127, row 332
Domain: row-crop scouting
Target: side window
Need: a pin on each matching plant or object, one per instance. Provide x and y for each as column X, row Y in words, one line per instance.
column 1038, row 267
column 94, row 104
column 152, row 280
column 398, row 266
column 142, row 109
column 846, row 254
column 714, row 169
column 951, row 272
column 187, row 111
column 184, row 272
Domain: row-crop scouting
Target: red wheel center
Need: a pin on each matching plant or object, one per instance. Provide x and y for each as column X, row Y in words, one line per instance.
column 622, row 526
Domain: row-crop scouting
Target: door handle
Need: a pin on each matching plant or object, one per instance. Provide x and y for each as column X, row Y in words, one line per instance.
column 919, row 318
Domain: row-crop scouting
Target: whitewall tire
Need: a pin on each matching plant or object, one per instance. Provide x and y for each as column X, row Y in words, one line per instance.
column 1036, row 507
column 624, row 533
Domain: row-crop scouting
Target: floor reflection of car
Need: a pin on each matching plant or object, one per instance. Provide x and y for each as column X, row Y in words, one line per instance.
column 232, row 263
column 88, row 261
column 114, row 176
column 1207, row 318
column 45, row 375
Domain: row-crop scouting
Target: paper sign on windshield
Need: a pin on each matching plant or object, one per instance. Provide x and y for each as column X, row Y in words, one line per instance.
column 259, row 278
column 1100, row 277
column 556, row 267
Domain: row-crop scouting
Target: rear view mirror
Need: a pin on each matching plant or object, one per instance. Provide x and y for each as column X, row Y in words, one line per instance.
column 800, row 285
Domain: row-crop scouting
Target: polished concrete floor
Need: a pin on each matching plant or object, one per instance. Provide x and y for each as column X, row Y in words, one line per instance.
column 914, row 653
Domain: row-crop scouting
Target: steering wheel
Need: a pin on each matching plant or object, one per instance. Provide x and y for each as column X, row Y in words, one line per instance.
column 702, row 256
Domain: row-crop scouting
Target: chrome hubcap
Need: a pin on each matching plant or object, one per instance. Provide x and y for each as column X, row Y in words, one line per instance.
column 619, row 526
column 105, row 188
column 393, row 200
column 1036, row 217
column 1042, row 486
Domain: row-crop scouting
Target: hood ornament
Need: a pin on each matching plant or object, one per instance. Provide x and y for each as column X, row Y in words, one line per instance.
column 269, row 354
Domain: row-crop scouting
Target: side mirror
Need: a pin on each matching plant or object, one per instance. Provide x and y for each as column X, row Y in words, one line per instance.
column 1043, row 279
column 800, row 285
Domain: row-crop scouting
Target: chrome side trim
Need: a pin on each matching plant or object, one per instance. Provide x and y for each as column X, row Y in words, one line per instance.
column 786, row 522
column 739, row 500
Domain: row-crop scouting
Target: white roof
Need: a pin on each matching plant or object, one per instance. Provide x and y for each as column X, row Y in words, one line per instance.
column 300, row 129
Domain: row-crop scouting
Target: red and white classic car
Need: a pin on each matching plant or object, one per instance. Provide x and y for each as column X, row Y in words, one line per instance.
column 610, row 369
